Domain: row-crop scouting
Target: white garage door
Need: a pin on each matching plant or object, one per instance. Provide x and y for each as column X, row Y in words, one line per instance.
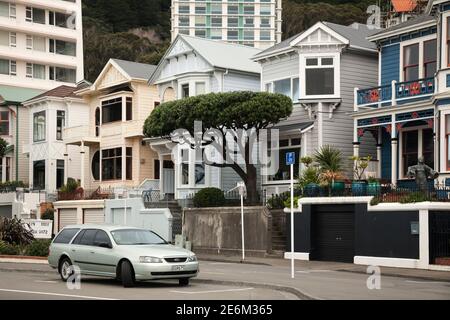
column 67, row 217
column 93, row 216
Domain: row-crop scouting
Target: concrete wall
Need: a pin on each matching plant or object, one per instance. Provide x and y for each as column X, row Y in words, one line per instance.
column 158, row 220
column 218, row 230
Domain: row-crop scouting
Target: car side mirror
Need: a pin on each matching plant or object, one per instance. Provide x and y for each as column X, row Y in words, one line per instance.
column 105, row 245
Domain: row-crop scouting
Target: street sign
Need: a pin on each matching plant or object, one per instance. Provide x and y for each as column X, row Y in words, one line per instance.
column 41, row 229
column 290, row 158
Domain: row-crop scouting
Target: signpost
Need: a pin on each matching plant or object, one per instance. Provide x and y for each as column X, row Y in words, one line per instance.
column 41, row 229
column 242, row 190
column 290, row 161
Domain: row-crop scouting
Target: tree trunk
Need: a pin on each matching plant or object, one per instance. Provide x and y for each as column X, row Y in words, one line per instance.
column 252, row 188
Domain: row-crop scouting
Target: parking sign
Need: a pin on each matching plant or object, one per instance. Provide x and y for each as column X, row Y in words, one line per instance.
column 290, row 158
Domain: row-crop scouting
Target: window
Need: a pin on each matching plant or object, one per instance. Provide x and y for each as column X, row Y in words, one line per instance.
column 8, row 67
column 39, row 175
column 183, row 21
column 29, row 42
column 101, row 238
column 216, row 8
column 411, row 62
column 429, row 58
column 249, row 22
column 13, row 39
column 216, row 34
column 249, row 10
column 287, row 145
column 295, row 89
column 167, row 164
column 201, row 33
column 264, row 35
column 319, row 76
column 184, row 9
column 35, row 15
column 4, row 123
column 60, row 124
column 447, row 136
column 200, row 21
column 265, row 23
column 112, row 110
column 88, row 237
column 232, row 34
column 216, row 22
column 428, row 147
column 410, row 142
column 129, row 163
column 95, row 166
column 448, row 41
column 112, row 164
column 63, row 20
column 200, row 88
column 200, row 8
column 233, row 22
column 269, row 87
column 39, row 126
column 265, row 10
column 185, row 90
column 35, row 71
column 62, row 74
column 65, row 236
column 62, row 47
column 184, row 31
column 184, row 166
column 129, row 108
column 199, row 167
column 233, row 9
column 249, row 35
column 8, row 168
column 59, row 174
column 283, row 87
column 5, row 38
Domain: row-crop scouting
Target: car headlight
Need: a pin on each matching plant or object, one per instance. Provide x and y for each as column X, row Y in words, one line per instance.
column 150, row 260
column 192, row 258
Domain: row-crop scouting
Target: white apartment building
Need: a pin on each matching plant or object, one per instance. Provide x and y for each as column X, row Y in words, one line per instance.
column 41, row 43
column 254, row 23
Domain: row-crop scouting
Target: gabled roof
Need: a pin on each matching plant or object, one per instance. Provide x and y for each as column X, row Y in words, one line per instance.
column 424, row 20
column 136, row 70
column 58, row 92
column 404, row 5
column 354, row 35
column 218, row 54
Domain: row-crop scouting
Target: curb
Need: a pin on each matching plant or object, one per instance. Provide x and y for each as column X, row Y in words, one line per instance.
column 234, row 261
column 403, row 276
column 291, row 290
column 21, row 259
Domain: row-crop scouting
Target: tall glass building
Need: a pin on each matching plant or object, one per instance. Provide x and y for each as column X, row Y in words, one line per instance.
column 254, row 23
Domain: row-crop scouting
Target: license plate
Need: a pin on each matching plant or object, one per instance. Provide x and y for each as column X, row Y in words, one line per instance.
column 177, row 268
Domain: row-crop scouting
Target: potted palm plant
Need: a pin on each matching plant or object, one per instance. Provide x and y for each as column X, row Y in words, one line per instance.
column 330, row 162
column 359, row 185
column 310, row 178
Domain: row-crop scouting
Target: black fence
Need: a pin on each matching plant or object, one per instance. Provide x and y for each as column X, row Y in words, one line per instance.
column 439, row 238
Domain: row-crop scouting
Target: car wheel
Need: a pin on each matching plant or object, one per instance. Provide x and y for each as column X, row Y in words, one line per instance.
column 65, row 269
column 183, row 282
column 127, row 274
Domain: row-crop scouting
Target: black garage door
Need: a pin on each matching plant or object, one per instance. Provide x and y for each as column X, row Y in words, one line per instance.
column 333, row 233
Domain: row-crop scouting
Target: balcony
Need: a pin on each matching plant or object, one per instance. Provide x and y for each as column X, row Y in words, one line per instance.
column 80, row 134
column 394, row 94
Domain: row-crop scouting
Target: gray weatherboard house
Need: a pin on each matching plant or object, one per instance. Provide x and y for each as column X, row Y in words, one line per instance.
column 319, row 69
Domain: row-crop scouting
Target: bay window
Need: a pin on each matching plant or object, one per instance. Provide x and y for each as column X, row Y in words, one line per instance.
column 290, row 87
column 429, row 58
column 319, row 76
column 185, row 166
column 4, row 123
column 112, row 109
column 60, row 124
column 59, row 174
column 39, row 126
column 411, row 62
column 448, row 41
column 283, row 87
column 447, row 137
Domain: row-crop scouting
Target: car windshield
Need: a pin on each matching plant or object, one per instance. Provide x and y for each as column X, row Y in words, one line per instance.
column 136, row 237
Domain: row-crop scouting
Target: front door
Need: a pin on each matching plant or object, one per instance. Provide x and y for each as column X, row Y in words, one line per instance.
column 168, row 181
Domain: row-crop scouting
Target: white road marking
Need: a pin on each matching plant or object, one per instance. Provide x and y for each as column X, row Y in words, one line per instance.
column 46, row 281
column 312, row 271
column 433, row 282
column 208, row 272
column 56, row 294
column 212, row 291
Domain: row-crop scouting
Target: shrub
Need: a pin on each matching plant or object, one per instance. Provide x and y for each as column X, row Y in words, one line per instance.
column 9, row 249
column 209, row 197
column 13, row 231
column 48, row 214
column 415, row 197
column 287, row 202
column 38, row 248
column 277, row 200
column 309, row 175
column 71, row 186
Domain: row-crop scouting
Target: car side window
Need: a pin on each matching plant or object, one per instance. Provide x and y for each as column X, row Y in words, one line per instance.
column 101, row 237
column 65, row 235
column 88, row 237
column 78, row 237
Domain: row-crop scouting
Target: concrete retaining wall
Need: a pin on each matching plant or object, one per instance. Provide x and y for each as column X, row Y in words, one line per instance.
column 218, row 230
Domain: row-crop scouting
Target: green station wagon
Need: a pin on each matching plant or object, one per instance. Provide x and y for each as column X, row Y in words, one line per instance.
column 125, row 253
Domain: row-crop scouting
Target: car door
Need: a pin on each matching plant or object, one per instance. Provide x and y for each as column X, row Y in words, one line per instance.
column 104, row 258
column 83, row 250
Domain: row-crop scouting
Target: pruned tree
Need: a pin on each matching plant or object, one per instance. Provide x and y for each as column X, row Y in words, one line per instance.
column 225, row 113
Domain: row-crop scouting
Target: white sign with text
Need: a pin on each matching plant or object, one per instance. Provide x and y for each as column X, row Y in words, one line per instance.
column 41, row 229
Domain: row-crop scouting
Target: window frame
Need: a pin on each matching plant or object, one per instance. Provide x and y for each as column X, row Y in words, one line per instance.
column 292, row 148
column 2, row 121
column 405, row 67
column 60, row 116
column 336, row 66
column 43, row 133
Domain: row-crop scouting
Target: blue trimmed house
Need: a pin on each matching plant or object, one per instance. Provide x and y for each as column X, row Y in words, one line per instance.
column 408, row 113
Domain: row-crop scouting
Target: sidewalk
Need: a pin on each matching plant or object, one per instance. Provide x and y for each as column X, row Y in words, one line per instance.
column 300, row 265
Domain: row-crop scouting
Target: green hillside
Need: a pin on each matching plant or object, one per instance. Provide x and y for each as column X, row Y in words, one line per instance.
column 139, row 30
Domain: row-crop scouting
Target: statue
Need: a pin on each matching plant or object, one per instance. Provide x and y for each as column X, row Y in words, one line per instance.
column 421, row 172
